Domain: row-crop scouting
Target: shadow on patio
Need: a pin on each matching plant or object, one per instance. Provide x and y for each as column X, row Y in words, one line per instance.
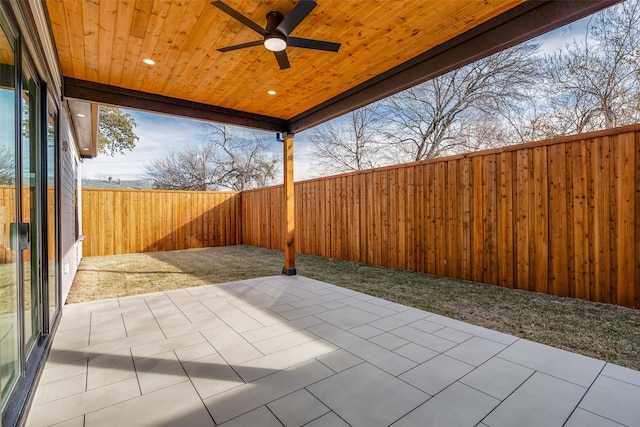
column 296, row 351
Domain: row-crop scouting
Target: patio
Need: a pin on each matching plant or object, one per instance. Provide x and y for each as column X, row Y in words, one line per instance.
column 295, row 351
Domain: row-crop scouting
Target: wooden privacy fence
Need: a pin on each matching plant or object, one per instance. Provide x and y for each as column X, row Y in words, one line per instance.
column 560, row 217
column 116, row 221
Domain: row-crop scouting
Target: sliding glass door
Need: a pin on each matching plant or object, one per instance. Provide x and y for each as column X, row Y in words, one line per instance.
column 9, row 325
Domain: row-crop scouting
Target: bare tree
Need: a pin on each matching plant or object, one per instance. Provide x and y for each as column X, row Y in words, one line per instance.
column 224, row 161
column 350, row 143
column 7, row 165
column 595, row 83
column 434, row 118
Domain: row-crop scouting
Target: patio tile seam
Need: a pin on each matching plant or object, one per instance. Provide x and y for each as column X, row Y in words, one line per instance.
column 598, row 415
column 547, row 373
column 507, row 396
column 155, row 319
column 585, row 393
column 602, row 374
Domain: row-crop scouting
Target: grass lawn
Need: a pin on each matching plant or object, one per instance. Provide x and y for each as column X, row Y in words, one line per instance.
column 603, row 331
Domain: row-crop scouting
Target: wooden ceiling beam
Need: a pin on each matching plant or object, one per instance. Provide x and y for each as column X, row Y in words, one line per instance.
column 126, row 98
column 517, row 25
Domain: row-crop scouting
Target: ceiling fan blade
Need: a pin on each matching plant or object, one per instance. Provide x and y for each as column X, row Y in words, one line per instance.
column 239, row 17
column 241, row 46
column 283, row 59
column 313, row 44
column 296, row 16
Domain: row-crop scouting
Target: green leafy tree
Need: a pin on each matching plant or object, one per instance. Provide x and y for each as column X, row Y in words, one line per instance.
column 116, row 133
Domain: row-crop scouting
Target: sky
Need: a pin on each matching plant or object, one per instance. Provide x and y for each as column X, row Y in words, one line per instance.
column 162, row 134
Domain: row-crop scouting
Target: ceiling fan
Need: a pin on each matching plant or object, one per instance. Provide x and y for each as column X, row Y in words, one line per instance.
column 276, row 33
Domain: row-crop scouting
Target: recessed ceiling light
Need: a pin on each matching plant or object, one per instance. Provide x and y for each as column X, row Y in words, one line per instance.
column 149, row 61
column 272, row 92
column 80, row 115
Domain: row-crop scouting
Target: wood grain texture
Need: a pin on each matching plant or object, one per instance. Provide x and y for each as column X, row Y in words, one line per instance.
column 104, row 41
column 559, row 216
column 130, row 221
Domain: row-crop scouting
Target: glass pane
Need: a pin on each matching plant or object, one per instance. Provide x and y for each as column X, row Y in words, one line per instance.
column 8, row 283
column 52, row 132
column 30, row 121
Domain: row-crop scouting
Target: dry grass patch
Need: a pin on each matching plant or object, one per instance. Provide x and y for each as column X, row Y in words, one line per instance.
column 607, row 332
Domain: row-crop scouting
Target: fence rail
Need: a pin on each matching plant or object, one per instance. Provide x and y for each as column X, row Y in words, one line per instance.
column 559, row 216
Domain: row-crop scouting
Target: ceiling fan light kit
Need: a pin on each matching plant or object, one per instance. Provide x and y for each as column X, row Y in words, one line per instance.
column 276, row 33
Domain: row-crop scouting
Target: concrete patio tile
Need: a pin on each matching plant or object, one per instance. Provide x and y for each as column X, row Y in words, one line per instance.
column 497, row 377
column 582, row 418
column 169, row 344
column 542, row 400
column 211, row 375
column 237, row 319
column 85, row 307
column 475, row 351
column 189, row 328
column 621, row 373
column 54, row 372
column 272, row 331
column 340, row 360
column 297, row 408
column 231, row 345
column 398, row 307
column 473, row 329
column 347, row 317
column 354, row 396
column 424, row 339
column 388, row 341
column 302, row 312
column 248, row 397
column 100, row 328
column 82, row 403
column 372, row 353
column 51, row 391
column 110, row 368
column 155, row 409
column 365, row 305
column 258, row 417
column 74, row 321
column 613, row 399
column 366, row 331
column 578, row 369
column 415, row 352
column 282, row 307
column 71, row 339
column 453, row 335
column 457, row 405
column 328, row 420
column 426, row 326
column 104, row 318
column 107, row 336
column 140, row 322
column 159, row 371
column 262, row 366
column 332, row 305
column 318, row 300
column 265, row 318
column 284, row 341
column 436, row 374
column 74, row 422
column 195, row 351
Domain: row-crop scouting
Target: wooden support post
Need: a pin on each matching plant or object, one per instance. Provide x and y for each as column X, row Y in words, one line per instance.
column 289, row 268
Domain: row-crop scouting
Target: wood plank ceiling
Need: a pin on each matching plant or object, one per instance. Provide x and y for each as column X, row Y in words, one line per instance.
column 105, row 42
